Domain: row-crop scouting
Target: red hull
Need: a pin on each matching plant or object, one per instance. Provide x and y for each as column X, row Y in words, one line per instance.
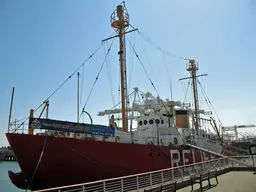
column 67, row 161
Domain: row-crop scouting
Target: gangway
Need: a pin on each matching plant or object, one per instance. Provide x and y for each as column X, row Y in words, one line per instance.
column 218, row 154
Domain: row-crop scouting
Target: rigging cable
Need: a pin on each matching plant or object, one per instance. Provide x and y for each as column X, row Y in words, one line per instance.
column 130, row 77
column 186, row 93
column 208, row 100
column 148, row 76
column 168, row 75
column 131, row 61
column 70, row 76
column 81, row 87
column 144, row 49
column 38, row 163
column 120, row 101
column 97, row 77
column 61, row 84
column 85, row 157
column 160, row 49
column 109, row 76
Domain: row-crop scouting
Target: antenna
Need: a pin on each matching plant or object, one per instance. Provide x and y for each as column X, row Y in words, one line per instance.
column 78, row 77
column 10, row 113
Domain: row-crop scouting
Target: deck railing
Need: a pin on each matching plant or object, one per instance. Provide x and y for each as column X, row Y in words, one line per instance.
column 154, row 178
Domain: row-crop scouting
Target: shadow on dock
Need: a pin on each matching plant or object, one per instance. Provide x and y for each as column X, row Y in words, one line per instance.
column 205, row 188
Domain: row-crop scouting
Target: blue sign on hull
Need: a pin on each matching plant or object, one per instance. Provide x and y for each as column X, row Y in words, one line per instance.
column 65, row 126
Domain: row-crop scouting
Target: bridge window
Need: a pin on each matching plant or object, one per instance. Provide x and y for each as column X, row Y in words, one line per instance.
column 140, row 122
column 157, row 121
column 151, row 121
column 145, row 122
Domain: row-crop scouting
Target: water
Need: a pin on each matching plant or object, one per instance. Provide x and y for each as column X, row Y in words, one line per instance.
column 5, row 182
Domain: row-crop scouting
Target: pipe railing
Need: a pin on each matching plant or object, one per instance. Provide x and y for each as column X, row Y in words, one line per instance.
column 147, row 180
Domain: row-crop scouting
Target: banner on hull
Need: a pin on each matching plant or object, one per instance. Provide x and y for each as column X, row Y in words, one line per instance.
column 65, row 126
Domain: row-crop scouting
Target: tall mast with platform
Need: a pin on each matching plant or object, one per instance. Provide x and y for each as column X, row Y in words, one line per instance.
column 120, row 23
column 192, row 68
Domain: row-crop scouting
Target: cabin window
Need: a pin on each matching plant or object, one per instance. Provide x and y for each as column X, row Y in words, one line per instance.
column 157, row 121
column 140, row 122
column 151, row 121
column 162, row 121
column 145, row 122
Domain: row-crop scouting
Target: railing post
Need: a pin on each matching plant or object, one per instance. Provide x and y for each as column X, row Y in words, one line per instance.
column 162, row 177
column 150, row 178
column 122, row 185
column 83, row 188
column 181, row 173
column 104, row 186
column 138, row 185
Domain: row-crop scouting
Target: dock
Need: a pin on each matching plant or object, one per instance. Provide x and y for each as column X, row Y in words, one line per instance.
column 238, row 181
column 6, row 154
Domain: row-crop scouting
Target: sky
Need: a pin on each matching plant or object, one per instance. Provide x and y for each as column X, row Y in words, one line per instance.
column 43, row 42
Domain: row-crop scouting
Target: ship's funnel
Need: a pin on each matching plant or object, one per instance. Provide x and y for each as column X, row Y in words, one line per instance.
column 182, row 119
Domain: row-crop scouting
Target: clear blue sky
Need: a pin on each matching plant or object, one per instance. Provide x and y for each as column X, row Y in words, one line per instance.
column 42, row 42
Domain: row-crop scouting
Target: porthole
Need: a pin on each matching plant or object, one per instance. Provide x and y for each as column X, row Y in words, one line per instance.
column 151, row 121
column 162, row 121
column 145, row 122
column 157, row 121
column 140, row 122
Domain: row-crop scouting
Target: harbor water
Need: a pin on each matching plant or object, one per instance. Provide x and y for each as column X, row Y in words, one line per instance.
column 5, row 183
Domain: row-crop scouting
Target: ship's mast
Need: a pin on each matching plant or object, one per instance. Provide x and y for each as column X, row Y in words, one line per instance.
column 120, row 23
column 120, row 26
column 192, row 68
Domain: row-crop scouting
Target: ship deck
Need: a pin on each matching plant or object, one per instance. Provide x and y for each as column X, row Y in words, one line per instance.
column 239, row 181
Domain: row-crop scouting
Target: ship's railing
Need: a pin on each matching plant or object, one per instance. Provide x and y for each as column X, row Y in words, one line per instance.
column 243, row 161
column 147, row 180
